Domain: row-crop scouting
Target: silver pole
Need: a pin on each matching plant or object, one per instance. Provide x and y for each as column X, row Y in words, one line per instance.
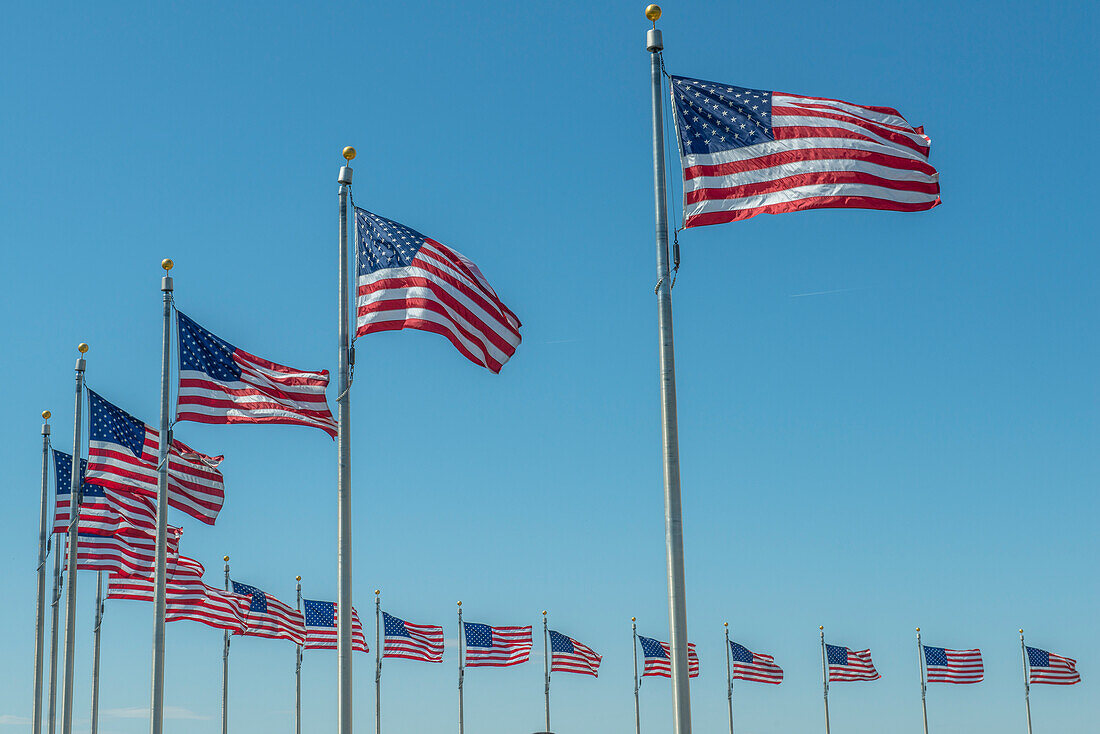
column 1027, row 683
column 95, row 651
column 461, row 670
column 546, row 664
column 825, row 678
column 75, row 499
column 729, row 677
column 923, row 682
column 674, row 532
column 40, row 589
column 58, row 584
column 637, row 711
column 225, row 662
column 343, row 471
column 377, row 662
column 298, row 672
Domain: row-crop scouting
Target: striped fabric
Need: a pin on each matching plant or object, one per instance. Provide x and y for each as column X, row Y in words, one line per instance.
column 944, row 665
column 187, row 596
column 496, row 646
column 423, row 642
column 753, row 666
column 569, row 656
column 850, row 665
column 98, row 515
column 321, row 621
column 269, row 617
column 750, row 151
column 658, row 658
column 1046, row 667
column 121, row 554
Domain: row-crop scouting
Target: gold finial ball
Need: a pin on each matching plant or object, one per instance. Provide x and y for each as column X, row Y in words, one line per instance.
column 82, row 348
column 349, row 153
column 633, row 619
column 821, row 626
column 46, row 415
column 725, row 624
column 297, row 578
column 167, row 264
column 653, row 12
column 377, row 592
column 225, row 558
column 1021, row 632
column 918, row 629
column 544, row 612
column 460, row 603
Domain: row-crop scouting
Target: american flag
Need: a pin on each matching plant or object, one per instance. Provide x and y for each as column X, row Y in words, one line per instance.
column 97, row 515
column 407, row 280
column 953, row 666
column 749, row 151
column 220, row 383
column 423, row 642
column 321, row 620
column 754, row 666
column 569, row 656
column 1046, row 667
column 658, row 658
column 269, row 617
column 848, row 665
column 121, row 554
column 187, row 596
column 496, row 646
column 122, row 455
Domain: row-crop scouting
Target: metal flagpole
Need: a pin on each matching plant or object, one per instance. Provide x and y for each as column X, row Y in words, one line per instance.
column 674, row 533
column 343, row 470
column 1027, row 682
column 58, row 583
column 40, row 588
column 298, row 671
column 923, row 682
column 637, row 712
column 156, row 706
column 95, row 651
column 461, row 670
column 825, row 677
column 729, row 678
column 75, row 498
column 377, row 663
column 546, row 665
column 225, row 663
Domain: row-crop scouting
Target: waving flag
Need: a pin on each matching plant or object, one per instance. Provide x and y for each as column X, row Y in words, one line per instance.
column 754, row 666
column 187, row 596
column 423, row 642
column 849, row 665
column 321, row 620
column 569, row 656
column 749, row 151
column 97, row 515
column 407, row 280
column 658, row 658
column 121, row 554
column 122, row 455
column 269, row 617
column 496, row 646
column 1046, row 667
column 953, row 666
column 220, row 383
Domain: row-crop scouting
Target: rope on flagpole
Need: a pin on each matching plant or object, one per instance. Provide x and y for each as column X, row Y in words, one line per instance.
column 668, row 165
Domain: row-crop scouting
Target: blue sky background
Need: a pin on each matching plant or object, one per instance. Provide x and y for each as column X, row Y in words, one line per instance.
column 886, row 420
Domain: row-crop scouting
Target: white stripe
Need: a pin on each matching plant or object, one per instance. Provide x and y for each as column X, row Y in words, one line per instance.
column 807, row 166
column 798, row 193
column 478, row 348
column 772, row 147
column 808, row 120
column 790, row 100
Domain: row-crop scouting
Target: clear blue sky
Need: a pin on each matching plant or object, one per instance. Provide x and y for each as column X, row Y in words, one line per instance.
column 887, row 420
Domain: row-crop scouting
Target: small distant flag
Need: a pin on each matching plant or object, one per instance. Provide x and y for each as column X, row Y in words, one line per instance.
column 850, row 665
column 496, row 646
column 944, row 665
column 187, row 596
column 423, row 642
column 1046, row 667
column 753, row 666
column 409, row 281
column 220, row 383
column 569, row 656
column 658, row 658
column 122, row 455
column 97, row 515
column 321, row 626
column 269, row 617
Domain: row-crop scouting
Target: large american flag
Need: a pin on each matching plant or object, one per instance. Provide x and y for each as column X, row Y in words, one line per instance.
column 944, row 665
column 1046, row 667
column 569, row 656
column 407, row 280
column 122, row 455
column 269, row 617
column 121, row 554
column 848, row 665
column 754, row 666
column 496, row 646
column 423, row 642
column 321, row 626
column 220, row 383
column 187, row 596
column 750, row 151
column 97, row 515
column 658, row 658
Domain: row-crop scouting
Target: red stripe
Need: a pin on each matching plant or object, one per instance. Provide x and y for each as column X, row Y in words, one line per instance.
column 228, row 420
column 882, row 110
column 883, row 132
column 817, row 202
column 249, row 392
column 421, row 325
column 808, row 179
column 794, row 132
column 807, row 154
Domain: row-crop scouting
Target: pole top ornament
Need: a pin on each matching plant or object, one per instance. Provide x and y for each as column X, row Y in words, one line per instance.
column 46, row 415
column 460, row 603
column 377, row 592
column 167, row 264
column 297, row 578
column 633, row 619
column 1021, row 632
column 653, row 12
column 918, row 629
column 821, row 627
column 725, row 624
column 349, row 153
column 225, row 558
column 82, row 348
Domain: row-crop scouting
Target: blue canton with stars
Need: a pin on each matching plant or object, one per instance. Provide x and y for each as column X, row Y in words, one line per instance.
column 113, row 424
column 836, row 655
column 935, row 655
column 63, row 470
column 319, row 613
column 713, row 117
column 201, row 351
column 394, row 627
column 560, row 643
column 259, row 598
column 478, row 635
column 1037, row 658
column 652, row 649
column 383, row 243
column 740, row 653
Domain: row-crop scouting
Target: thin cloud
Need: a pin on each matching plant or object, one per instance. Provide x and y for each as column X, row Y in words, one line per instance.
column 142, row 712
column 13, row 720
column 827, row 293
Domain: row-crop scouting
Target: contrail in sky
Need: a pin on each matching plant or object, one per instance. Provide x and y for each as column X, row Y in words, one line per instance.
column 827, row 293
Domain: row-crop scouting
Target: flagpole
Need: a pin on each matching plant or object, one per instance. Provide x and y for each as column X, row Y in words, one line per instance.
column 1027, row 683
column 674, row 533
column 729, row 678
column 298, row 671
column 461, row 670
column 923, row 683
column 40, row 588
column 825, row 677
column 58, row 584
column 75, row 498
column 343, row 470
column 156, row 707
column 546, row 665
column 637, row 712
column 377, row 663
column 225, row 662
column 95, row 651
